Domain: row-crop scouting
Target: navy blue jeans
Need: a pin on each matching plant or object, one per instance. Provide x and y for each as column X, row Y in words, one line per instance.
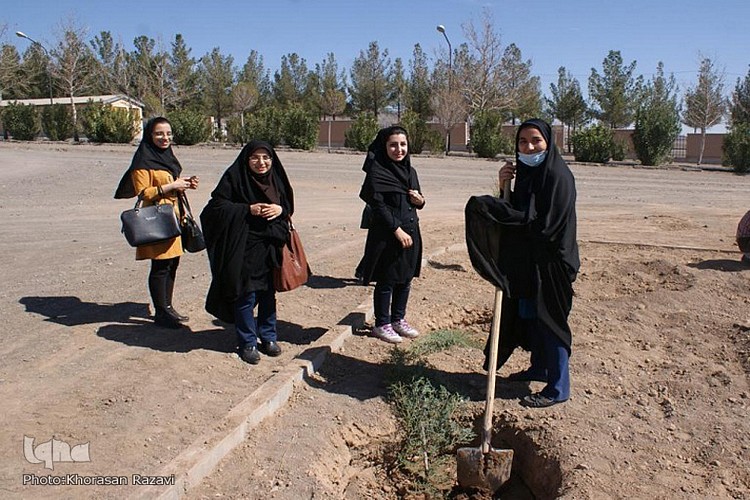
column 549, row 355
column 249, row 330
column 389, row 302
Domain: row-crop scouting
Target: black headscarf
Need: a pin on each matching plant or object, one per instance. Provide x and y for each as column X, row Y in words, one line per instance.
column 383, row 174
column 149, row 156
column 241, row 247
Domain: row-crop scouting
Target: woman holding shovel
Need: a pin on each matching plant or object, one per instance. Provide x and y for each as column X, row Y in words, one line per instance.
column 527, row 247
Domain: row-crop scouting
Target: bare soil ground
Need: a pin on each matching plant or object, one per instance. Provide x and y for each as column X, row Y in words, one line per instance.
column 660, row 362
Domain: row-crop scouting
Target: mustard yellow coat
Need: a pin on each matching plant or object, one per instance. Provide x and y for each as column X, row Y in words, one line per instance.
column 146, row 182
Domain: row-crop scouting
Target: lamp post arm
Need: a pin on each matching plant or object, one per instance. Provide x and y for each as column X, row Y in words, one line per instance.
column 21, row 34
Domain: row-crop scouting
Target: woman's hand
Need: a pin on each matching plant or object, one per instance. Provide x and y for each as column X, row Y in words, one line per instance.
column 416, row 198
column 181, row 184
column 403, row 238
column 507, row 172
column 268, row 211
column 504, row 176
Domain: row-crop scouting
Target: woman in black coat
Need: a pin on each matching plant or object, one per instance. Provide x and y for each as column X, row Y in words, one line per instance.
column 245, row 225
column 528, row 248
column 393, row 250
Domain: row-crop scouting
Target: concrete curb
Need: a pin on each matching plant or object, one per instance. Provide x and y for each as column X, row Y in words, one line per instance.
column 199, row 460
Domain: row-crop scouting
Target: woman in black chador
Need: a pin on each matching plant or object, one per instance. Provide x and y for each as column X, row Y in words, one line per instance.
column 528, row 248
column 393, row 250
column 245, row 226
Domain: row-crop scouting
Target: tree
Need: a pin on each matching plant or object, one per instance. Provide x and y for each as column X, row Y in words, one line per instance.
column 523, row 89
column 487, row 139
column 594, row 144
column 736, row 148
column 370, row 88
column 332, row 100
column 36, row 72
column 148, row 67
column 113, row 73
column 418, row 88
column 244, row 98
column 254, row 72
column 182, row 76
column 740, row 108
column 705, row 104
column 12, row 82
column 73, row 67
column 447, row 101
column 657, row 120
column 616, row 91
column 398, row 85
column 478, row 68
column 567, row 103
column 216, row 78
column 290, row 83
column 21, row 120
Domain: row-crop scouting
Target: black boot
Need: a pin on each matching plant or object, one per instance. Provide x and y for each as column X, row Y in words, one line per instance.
column 163, row 315
column 170, row 291
column 165, row 318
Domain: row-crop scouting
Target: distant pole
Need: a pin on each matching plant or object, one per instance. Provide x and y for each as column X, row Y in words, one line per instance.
column 21, row 34
column 441, row 29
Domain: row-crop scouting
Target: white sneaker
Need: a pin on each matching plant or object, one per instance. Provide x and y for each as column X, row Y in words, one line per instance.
column 386, row 333
column 405, row 329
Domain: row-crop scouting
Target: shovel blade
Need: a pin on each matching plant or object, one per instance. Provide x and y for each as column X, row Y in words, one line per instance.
column 487, row 471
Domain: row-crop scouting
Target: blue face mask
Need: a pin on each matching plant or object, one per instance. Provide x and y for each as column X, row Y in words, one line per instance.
column 532, row 160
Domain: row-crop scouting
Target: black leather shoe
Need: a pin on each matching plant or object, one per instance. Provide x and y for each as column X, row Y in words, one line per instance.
column 539, row 401
column 179, row 317
column 167, row 321
column 270, row 349
column 250, row 354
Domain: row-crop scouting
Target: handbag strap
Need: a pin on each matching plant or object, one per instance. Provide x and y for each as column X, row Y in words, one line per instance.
column 138, row 201
column 185, row 205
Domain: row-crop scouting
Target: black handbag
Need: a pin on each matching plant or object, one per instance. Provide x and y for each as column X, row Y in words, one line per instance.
column 192, row 236
column 150, row 224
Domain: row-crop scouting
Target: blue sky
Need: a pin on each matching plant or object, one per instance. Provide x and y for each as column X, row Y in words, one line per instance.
column 576, row 34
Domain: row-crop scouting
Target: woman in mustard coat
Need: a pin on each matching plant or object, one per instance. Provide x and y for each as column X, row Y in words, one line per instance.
column 154, row 176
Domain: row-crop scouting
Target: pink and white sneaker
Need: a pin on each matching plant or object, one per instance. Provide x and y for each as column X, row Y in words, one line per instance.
column 386, row 334
column 404, row 329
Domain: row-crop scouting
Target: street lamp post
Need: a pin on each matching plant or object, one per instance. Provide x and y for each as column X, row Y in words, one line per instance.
column 21, row 34
column 441, row 29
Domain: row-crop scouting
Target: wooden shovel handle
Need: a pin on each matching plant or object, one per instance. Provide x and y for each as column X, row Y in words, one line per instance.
column 492, row 369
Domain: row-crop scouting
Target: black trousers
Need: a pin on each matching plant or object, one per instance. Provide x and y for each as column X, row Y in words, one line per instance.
column 161, row 281
column 389, row 302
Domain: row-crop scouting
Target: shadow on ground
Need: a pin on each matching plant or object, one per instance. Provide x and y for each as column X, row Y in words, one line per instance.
column 330, row 282
column 72, row 311
column 363, row 380
column 221, row 339
column 726, row 265
column 130, row 323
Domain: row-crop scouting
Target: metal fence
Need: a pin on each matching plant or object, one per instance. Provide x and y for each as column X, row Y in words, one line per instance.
column 679, row 148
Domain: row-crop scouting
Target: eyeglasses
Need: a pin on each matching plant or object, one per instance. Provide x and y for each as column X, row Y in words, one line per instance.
column 260, row 158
